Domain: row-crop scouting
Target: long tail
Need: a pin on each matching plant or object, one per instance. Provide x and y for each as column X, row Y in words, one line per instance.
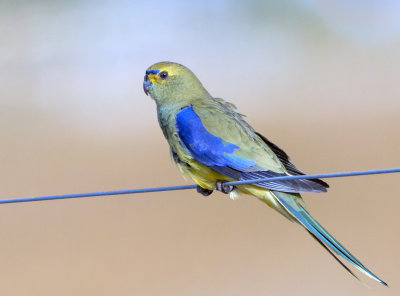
column 299, row 213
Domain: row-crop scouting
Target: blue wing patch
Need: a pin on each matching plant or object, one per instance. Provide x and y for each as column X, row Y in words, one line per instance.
column 220, row 155
column 205, row 147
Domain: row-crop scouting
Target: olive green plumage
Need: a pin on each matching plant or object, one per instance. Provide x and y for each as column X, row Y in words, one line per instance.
column 211, row 143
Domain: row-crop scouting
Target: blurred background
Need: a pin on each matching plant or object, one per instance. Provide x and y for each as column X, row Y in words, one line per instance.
column 319, row 78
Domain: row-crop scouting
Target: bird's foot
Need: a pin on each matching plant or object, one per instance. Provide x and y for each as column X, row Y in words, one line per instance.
column 203, row 191
column 220, row 186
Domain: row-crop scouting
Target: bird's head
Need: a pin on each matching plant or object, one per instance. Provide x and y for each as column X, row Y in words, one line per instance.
column 169, row 83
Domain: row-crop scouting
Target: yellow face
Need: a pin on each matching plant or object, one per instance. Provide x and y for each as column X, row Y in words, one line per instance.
column 158, row 74
column 169, row 83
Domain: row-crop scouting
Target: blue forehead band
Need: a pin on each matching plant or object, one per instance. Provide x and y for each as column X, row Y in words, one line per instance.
column 152, row 71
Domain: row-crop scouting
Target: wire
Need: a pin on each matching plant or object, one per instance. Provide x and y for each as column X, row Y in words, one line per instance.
column 185, row 187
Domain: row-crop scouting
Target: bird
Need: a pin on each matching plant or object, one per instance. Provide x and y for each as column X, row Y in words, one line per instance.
column 211, row 143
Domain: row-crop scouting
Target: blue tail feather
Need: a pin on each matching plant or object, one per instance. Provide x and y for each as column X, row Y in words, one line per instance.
column 318, row 232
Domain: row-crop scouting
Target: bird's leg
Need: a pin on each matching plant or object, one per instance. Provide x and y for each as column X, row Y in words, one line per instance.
column 220, row 186
column 203, row 191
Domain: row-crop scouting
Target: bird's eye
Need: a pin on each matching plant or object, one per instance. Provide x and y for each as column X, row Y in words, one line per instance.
column 163, row 75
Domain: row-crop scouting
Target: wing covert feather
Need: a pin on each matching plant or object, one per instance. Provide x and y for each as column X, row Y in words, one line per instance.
column 222, row 140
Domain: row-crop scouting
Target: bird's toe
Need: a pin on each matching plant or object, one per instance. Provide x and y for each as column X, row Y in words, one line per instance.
column 220, row 186
column 203, row 191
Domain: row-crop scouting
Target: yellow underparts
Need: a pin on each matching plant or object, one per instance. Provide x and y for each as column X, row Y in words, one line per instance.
column 207, row 178
column 202, row 174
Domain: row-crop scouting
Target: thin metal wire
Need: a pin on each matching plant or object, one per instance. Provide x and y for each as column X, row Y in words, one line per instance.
column 184, row 187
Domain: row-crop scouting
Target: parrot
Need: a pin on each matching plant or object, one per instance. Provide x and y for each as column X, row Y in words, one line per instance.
column 211, row 143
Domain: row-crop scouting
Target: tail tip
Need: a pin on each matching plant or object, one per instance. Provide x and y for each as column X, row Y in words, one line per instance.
column 384, row 283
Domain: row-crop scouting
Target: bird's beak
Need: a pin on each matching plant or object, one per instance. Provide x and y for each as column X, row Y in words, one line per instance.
column 146, row 84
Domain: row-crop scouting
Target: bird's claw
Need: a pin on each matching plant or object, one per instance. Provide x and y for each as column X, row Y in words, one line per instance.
column 203, row 191
column 220, row 186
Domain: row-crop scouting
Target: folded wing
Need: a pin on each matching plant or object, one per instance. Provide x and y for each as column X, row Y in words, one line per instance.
column 237, row 159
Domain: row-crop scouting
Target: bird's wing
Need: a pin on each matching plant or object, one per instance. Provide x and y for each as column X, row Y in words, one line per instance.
column 229, row 145
column 292, row 169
